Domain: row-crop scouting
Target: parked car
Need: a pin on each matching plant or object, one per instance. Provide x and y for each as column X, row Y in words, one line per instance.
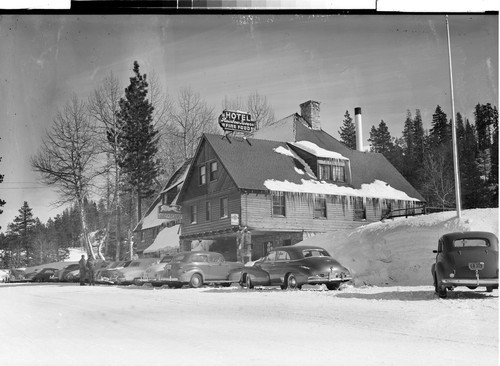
column 74, row 274
column 466, row 259
column 60, row 274
column 4, row 275
column 154, row 272
column 292, row 267
column 198, row 268
column 133, row 273
column 105, row 274
column 42, row 275
column 17, row 275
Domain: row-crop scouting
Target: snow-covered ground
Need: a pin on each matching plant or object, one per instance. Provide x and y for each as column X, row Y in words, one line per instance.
column 402, row 323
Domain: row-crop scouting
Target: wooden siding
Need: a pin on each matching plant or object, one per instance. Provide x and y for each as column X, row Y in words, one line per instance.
column 222, row 183
column 256, row 213
column 215, row 223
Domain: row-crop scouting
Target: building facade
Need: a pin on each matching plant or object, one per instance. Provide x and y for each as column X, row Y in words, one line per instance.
column 284, row 191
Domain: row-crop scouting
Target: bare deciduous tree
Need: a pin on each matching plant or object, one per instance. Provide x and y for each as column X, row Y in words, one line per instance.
column 68, row 157
column 103, row 105
column 257, row 105
column 438, row 186
column 190, row 119
column 260, row 110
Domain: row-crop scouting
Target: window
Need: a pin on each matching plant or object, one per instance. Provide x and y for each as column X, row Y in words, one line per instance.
column 193, row 214
column 213, row 171
column 386, row 209
column 202, row 175
column 282, row 256
column 332, row 171
column 278, row 204
column 359, row 209
column 320, row 208
column 208, row 209
column 224, row 212
column 271, row 256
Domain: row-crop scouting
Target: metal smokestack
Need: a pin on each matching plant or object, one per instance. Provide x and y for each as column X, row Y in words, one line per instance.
column 359, row 129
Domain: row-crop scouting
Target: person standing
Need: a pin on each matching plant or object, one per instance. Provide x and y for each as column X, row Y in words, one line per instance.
column 83, row 271
column 91, row 271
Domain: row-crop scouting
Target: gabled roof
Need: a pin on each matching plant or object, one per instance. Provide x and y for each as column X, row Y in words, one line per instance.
column 255, row 164
column 150, row 218
column 250, row 162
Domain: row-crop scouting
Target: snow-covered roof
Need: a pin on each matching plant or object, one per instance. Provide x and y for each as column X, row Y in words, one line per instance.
column 151, row 220
column 167, row 238
column 314, row 149
column 377, row 189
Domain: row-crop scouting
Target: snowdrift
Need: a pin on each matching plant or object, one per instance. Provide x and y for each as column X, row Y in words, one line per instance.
column 399, row 251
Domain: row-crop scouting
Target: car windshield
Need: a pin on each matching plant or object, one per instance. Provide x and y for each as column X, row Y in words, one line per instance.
column 467, row 243
column 166, row 259
column 315, row 253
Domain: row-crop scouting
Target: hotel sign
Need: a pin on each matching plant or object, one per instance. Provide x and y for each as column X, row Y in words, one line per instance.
column 236, row 121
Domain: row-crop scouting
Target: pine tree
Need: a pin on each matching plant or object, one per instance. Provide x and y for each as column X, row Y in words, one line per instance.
column 348, row 132
column 418, row 138
column 138, row 139
column 440, row 133
column 22, row 228
column 473, row 188
column 380, row 139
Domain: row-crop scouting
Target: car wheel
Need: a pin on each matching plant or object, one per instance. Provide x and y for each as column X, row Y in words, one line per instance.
column 137, row 282
column 291, row 282
column 442, row 293
column 196, row 281
column 248, row 282
column 332, row 286
column 489, row 288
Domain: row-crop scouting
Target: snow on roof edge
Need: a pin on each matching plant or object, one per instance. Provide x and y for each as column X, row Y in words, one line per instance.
column 377, row 189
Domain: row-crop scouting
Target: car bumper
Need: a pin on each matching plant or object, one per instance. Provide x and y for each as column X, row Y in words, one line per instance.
column 323, row 280
column 470, row 282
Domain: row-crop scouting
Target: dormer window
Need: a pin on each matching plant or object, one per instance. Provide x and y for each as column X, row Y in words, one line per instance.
column 331, row 170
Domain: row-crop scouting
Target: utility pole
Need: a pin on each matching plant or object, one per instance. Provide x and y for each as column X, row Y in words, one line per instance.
column 454, row 131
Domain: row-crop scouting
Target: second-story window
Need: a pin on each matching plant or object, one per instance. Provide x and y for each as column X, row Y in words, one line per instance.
column 224, row 209
column 320, row 208
column 202, row 174
column 213, row 171
column 279, row 204
column 193, row 214
column 208, row 209
column 359, row 209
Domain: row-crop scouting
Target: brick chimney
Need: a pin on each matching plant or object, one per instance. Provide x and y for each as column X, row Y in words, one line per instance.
column 310, row 112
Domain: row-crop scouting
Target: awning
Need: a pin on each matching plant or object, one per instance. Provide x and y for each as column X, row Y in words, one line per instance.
column 166, row 239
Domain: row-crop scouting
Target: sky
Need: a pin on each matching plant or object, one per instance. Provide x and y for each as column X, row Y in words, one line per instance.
column 384, row 63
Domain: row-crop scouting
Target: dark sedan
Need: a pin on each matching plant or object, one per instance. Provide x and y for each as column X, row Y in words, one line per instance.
column 292, row 267
column 466, row 259
column 41, row 276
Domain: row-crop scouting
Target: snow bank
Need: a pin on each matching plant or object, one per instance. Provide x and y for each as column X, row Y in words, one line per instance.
column 399, row 251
